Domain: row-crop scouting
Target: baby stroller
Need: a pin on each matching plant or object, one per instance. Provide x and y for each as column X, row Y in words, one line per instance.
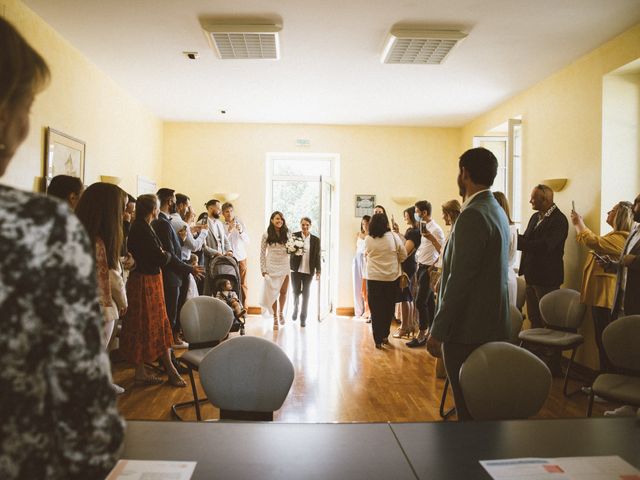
column 223, row 267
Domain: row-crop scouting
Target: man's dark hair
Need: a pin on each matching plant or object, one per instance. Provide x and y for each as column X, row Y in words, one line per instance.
column 226, row 206
column 164, row 195
column 379, row 225
column 213, row 201
column 131, row 198
column 423, row 206
column 181, row 198
column 306, row 219
column 61, row 186
column 481, row 164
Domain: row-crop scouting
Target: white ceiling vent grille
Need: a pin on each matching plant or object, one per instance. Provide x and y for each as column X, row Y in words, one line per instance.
column 428, row 47
column 244, row 41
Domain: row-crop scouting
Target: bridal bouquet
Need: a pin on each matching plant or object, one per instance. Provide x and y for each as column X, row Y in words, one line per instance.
column 295, row 246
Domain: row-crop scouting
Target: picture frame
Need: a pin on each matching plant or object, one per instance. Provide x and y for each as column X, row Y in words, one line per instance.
column 365, row 204
column 64, row 155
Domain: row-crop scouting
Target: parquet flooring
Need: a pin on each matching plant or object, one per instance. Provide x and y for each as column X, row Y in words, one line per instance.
column 340, row 377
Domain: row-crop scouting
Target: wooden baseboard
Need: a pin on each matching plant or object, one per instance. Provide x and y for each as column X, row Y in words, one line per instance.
column 345, row 312
column 254, row 310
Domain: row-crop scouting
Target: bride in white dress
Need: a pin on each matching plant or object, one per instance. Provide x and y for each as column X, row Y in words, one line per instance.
column 274, row 265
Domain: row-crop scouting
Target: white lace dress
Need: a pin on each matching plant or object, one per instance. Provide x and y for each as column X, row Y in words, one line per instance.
column 274, row 260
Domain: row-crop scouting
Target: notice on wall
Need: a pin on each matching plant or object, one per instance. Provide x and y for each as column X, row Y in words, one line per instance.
column 566, row 468
column 151, row 470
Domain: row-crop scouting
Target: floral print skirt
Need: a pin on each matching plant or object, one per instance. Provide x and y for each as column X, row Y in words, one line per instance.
column 146, row 333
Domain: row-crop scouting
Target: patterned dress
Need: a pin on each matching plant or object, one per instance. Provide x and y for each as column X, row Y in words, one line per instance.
column 58, row 409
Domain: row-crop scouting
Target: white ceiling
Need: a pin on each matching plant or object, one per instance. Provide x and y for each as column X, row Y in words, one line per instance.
column 330, row 70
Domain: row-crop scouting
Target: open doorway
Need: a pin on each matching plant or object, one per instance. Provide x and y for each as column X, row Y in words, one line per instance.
column 304, row 185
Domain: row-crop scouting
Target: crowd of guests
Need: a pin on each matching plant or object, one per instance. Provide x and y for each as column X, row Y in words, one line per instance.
column 67, row 279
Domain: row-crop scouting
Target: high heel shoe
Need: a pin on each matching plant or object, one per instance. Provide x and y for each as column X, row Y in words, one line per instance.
column 176, row 380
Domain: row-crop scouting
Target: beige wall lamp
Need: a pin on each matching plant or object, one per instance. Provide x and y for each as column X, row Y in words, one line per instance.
column 226, row 197
column 555, row 184
column 110, row 179
column 404, row 200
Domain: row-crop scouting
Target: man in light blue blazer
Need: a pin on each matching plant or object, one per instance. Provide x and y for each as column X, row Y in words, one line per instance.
column 473, row 304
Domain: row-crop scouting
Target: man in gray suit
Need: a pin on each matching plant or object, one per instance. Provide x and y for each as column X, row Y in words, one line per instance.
column 473, row 304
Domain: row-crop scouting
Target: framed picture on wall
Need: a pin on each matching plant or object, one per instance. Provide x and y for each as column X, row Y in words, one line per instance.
column 64, row 155
column 365, row 204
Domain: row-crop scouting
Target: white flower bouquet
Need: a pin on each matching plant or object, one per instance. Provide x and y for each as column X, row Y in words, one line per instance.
column 295, row 246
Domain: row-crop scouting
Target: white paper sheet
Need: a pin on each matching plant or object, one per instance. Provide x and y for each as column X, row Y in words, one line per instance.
column 151, row 470
column 566, row 468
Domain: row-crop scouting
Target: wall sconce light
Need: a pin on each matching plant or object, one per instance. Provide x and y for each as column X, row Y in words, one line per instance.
column 404, row 200
column 226, row 197
column 110, row 179
column 555, row 184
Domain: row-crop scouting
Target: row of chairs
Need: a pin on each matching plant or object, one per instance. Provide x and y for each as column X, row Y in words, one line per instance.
column 504, row 381
column 247, row 378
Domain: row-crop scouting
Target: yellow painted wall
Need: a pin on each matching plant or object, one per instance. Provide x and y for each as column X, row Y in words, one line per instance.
column 203, row 158
column 123, row 138
column 562, row 137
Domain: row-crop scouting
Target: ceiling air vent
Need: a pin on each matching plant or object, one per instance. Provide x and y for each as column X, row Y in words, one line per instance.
column 233, row 42
column 429, row 47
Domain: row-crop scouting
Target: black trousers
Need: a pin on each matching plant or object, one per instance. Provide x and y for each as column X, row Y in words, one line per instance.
column 171, row 294
column 301, row 285
column 382, row 302
column 601, row 318
column 454, row 355
column 425, row 299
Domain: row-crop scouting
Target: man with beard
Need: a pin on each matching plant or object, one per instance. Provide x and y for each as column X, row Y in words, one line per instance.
column 174, row 272
column 217, row 242
column 473, row 299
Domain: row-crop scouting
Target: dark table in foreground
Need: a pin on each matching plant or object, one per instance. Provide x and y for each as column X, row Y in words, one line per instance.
column 453, row 450
column 374, row 451
column 272, row 450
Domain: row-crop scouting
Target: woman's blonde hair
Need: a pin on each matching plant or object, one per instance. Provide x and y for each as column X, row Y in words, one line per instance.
column 624, row 217
column 504, row 203
column 23, row 72
column 452, row 208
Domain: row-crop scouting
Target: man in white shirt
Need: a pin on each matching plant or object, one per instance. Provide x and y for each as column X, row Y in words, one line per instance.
column 239, row 239
column 217, row 242
column 192, row 238
column 303, row 269
column 426, row 256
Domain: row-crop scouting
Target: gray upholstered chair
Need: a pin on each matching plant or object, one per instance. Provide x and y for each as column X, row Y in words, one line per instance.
column 247, row 378
column 562, row 313
column 516, row 326
column 520, row 292
column 501, row 381
column 620, row 340
column 205, row 322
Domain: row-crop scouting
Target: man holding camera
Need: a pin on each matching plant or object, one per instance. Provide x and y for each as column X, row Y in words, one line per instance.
column 426, row 256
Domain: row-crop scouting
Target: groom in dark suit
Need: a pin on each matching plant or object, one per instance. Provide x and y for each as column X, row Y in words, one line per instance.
column 473, row 303
column 303, row 268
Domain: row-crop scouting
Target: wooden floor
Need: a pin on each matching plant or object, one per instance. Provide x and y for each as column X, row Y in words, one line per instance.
column 340, row 377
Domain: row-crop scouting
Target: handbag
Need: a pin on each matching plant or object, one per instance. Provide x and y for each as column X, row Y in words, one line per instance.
column 403, row 279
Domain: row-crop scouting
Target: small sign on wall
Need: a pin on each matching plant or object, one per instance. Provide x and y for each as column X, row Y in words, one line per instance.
column 365, row 204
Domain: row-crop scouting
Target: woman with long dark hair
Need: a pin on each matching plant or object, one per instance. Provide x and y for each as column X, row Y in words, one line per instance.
column 385, row 252
column 100, row 209
column 411, row 239
column 146, row 333
column 274, row 265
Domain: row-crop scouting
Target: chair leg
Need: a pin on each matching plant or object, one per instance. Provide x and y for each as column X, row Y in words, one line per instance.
column 190, row 403
column 592, row 396
column 445, row 415
column 566, row 377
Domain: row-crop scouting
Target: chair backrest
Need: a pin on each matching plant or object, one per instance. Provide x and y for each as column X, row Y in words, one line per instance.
column 501, row 381
column 562, row 308
column 516, row 324
column 621, row 342
column 205, row 319
column 520, row 292
column 246, row 374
